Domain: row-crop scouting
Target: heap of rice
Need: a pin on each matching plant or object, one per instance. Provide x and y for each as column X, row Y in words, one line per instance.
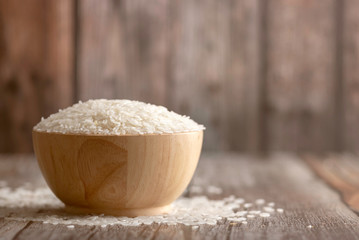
column 116, row 117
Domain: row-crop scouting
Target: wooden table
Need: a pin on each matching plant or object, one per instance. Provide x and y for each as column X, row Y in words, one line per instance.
column 284, row 179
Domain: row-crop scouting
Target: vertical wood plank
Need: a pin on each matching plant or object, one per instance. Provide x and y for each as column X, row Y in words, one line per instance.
column 100, row 62
column 351, row 75
column 242, row 106
column 197, row 58
column 123, row 50
column 35, row 66
column 198, row 66
column 301, row 75
column 147, row 41
column 213, row 71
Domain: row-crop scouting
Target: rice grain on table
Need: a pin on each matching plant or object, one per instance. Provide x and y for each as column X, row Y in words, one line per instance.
column 40, row 204
column 280, row 210
column 116, row 117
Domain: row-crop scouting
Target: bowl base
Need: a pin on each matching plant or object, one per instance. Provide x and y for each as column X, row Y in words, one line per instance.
column 134, row 212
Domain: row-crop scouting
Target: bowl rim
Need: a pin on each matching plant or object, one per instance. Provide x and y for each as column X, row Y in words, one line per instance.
column 114, row 135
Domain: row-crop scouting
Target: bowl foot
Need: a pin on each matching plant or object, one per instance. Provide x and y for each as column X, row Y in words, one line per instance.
column 134, row 212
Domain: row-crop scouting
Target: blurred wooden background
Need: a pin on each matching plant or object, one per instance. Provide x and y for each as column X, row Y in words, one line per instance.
column 261, row 75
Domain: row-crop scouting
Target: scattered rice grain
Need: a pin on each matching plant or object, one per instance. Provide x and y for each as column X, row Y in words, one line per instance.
column 214, row 190
column 264, row 215
column 23, row 204
column 248, row 205
column 260, row 201
column 268, row 209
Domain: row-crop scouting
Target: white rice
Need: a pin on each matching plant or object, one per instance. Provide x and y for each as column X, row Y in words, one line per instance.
column 116, row 117
column 27, row 203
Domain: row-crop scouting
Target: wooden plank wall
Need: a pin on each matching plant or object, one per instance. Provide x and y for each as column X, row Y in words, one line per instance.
column 350, row 74
column 36, row 66
column 301, row 75
column 261, row 75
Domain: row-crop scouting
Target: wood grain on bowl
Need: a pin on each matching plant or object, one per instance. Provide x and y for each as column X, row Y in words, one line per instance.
column 118, row 175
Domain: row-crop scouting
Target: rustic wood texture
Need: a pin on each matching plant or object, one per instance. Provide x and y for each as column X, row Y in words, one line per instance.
column 351, row 74
column 214, row 65
column 123, row 50
column 260, row 75
column 36, row 66
column 119, row 175
column 301, row 75
column 283, row 178
column 340, row 171
column 164, row 52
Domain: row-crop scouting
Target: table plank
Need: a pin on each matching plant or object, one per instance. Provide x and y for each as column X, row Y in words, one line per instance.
column 11, row 229
column 286, row 180
column 341, row 172
column 283, row 179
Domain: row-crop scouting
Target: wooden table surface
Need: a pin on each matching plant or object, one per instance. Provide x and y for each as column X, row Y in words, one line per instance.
column 285, row 179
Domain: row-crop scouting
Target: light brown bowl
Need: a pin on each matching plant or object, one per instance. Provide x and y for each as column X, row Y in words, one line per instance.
column 127, row 175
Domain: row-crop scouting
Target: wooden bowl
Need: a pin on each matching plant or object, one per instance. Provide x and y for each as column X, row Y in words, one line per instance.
column 128, row 175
